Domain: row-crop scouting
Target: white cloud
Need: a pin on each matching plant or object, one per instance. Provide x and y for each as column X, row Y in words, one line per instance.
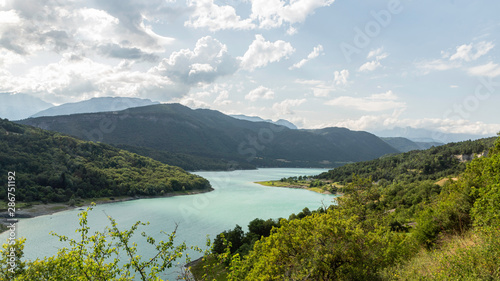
column 195, row 100
column 75, row 78
column 9, row 17
column 318, row 87
column 370, row 66
column 274, row 13
column 464, row 53
column 340, row 77
column 490, row 70
column 207, row 61
column 223, row 98
column 314, row 54
column 262, row 52
column 214, row 17
column 197, row 68
column 437, row 64
column 260, row 92
column 55, row 26
column 264, row 14
column 285, row 107
column 377, row 53
column 385, row 121
column 375, row 102
column 471, row 52
column 374, row 64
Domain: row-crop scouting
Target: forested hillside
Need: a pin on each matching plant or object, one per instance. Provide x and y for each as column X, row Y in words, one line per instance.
column 433, row 163
column 168, row 132
column 51, row 167
column 408, row 228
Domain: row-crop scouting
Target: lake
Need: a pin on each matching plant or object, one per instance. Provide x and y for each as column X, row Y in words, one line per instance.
column 235, row 200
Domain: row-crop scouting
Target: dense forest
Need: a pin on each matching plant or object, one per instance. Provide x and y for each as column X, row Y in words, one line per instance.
column 51, row 167
column 433, row 163
column 414, row 216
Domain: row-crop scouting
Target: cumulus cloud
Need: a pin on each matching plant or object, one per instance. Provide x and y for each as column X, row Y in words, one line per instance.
column 264, row 14
column 285, row 107
column 464, row 54
column 223, row 98
column 206, row 14
column 274, row 13
column 340, row 77
column 370, row 66
column 208, row 60
column 260, row 92
column 375, row 102
column 262, row 52
column 471, row 52
column 314, row 54
column 378, row 55
column 385, row 121
column 75, row 78
column 117, row 29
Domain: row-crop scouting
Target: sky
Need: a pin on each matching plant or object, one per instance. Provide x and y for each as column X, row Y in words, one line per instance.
column 365, row 65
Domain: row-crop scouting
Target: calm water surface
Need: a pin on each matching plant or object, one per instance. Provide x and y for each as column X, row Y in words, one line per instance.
column 235, row 200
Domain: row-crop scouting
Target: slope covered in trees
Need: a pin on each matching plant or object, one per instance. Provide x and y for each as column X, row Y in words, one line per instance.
column 407, row 229
column 167, row 132
column 433, row 164
column 51, row 167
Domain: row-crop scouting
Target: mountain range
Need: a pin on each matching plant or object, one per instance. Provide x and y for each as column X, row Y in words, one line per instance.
column 94, row 105
column 168, row 132
column 20, row 106
column 281, row 122
column 405, row 145
column 425, row 135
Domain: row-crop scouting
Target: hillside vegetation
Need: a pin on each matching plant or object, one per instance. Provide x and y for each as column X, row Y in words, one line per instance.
column 453, row 234
column 51, row 167
column 214, row 141
column 389, row 224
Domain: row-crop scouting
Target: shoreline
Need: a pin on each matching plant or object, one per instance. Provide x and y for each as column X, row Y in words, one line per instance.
column 41, row 209
column 293, row 186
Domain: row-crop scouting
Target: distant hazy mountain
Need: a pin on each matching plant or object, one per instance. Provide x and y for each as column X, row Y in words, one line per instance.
column 424, row 135
column 173, row 128
column 405, row 145
column 281, row 122
column 95, row 105
column 20, row 106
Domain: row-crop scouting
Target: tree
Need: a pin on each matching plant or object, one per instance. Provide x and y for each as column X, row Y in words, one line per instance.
column 107, row 255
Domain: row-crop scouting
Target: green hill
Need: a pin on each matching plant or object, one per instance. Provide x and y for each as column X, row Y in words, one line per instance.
column 52, row 167
column 434, row 163
column 168, row 132
column 409, row 228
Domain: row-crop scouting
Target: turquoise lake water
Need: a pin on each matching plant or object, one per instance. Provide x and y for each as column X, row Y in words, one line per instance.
column 235, row 200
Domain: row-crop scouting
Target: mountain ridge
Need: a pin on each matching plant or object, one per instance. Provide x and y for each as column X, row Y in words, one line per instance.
column 92, row 105
column 175, row 128
column 281, row 122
